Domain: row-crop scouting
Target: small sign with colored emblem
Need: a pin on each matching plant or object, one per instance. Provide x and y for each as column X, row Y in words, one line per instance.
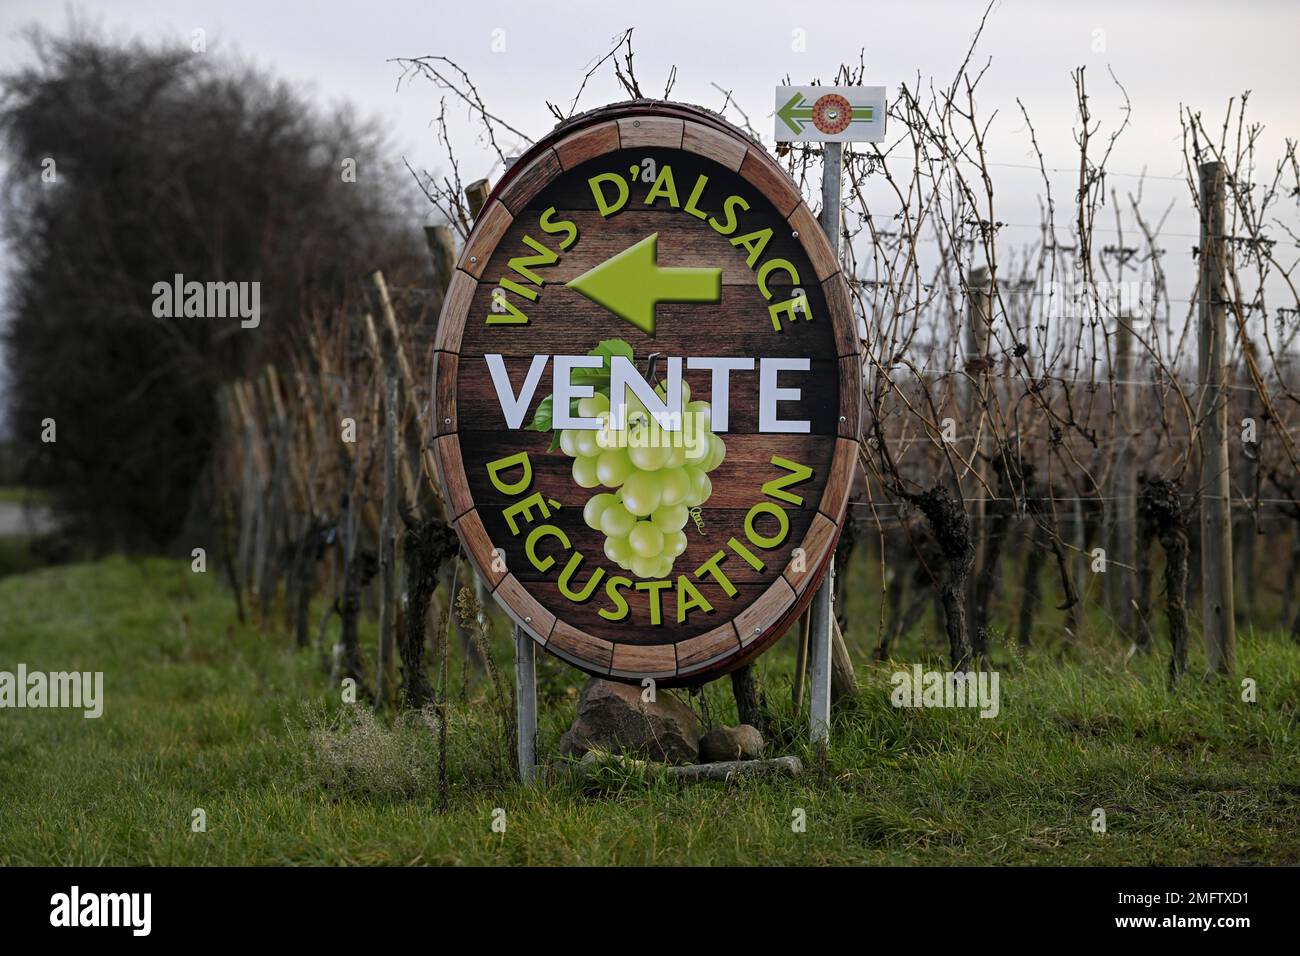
column 830, row 114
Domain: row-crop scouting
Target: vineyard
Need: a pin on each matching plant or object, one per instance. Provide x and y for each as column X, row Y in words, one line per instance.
column 1060, row 445
column 1074, row 480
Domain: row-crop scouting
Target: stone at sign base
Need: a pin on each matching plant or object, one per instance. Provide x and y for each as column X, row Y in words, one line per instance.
column 613, row 718
column 743, row 742
column 726, row 771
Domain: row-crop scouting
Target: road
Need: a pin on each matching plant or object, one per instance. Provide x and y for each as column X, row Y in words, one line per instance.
column 16, row 519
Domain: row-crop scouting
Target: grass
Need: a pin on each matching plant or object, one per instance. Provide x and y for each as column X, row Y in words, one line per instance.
column 16, row 555
column 203, row 713
column 18, row 495
column 21, row 554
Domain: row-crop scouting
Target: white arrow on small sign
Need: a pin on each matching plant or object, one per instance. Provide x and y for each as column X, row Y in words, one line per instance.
column 830, row 114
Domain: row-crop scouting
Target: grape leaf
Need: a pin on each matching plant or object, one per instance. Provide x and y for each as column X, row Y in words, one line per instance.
column 606, row 350
column 610, row 347
column 544, row 417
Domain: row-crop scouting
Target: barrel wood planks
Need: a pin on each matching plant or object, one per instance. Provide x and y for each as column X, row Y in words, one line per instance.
column 648, row 246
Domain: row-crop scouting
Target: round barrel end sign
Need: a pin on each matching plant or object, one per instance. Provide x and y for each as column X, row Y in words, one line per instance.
column 646, row 395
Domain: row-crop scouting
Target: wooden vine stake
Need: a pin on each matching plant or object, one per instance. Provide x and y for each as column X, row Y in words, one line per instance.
column 1212, row 413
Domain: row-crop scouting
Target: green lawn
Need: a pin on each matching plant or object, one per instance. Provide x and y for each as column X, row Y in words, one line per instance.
column 203, row 713
column 17, row 495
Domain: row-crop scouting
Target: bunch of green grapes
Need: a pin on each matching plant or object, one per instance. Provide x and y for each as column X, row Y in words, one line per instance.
column 654, row 478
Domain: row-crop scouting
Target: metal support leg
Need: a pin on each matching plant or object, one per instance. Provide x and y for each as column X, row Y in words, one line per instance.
column 526, row 703
column 819, row 661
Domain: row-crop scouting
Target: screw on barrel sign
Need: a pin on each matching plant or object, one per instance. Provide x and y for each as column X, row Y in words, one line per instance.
column 646, row 391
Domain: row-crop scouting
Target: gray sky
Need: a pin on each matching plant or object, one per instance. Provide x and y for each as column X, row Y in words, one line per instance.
column 1165, row 53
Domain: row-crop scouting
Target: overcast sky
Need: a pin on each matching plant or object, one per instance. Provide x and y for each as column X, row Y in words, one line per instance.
column 1165, row 53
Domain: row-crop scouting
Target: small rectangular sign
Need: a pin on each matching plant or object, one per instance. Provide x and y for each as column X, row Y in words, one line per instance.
column 830, row 114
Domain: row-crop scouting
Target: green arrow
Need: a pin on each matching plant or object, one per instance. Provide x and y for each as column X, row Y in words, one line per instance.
column 794, row 110
column 632, row 283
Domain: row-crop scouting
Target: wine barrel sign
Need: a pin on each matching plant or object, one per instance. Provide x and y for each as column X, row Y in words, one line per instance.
column 646, row 394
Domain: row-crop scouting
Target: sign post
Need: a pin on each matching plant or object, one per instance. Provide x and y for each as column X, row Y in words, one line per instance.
column 526, row 704
column 832, row 115
column 646, row 394
column 821, row 626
